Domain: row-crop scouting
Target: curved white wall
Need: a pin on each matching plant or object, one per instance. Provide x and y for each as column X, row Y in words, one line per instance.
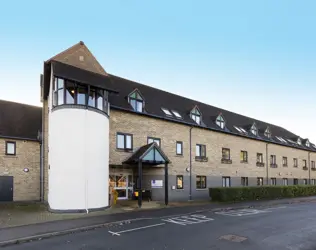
column 78, row 159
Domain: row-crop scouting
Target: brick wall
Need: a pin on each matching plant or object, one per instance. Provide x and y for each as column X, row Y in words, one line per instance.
column 26, row 185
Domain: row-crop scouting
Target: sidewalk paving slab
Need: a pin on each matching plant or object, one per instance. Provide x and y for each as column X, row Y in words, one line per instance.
column 20, row 234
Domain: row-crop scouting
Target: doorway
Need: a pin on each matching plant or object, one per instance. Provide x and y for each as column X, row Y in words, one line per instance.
column 122, row 184
column 6, row 188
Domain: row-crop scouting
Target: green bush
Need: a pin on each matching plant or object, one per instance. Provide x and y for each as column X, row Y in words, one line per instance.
column 260, row 192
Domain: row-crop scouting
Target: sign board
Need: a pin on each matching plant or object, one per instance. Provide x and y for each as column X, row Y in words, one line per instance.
column 156, row 183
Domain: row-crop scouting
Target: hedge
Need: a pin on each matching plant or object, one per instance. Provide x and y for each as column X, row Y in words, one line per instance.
column 260, row 192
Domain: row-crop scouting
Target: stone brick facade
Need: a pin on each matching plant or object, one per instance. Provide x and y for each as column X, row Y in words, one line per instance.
column 26, row 185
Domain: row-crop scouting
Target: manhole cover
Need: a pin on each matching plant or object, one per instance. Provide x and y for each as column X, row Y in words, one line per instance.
column 234, row 238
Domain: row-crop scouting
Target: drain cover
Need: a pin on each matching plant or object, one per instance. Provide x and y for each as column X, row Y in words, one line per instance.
column 234, row 238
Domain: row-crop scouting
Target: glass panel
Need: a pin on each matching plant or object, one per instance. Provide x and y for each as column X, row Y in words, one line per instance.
column 139, row 106
column 121, row 193
column 128, row 141
column 158, row 156
column 60, row 83
column 70, row 93
column 198, row 181
column 133, row 95
column 138, row 97
column 133, row 103
column 203, row 150
column 179, row 148
column 60, row 96
column 91, row 100
column 150, row 140
column 227, row 182
column 149, row 156
column 197, row 153
column 112, row 182
column 179, row 182
column 197, row 119
column 100, row 100
column 176, row 114
column 120, row 141
column 55, row 98
column 203, row 181
column 81, row 95
column 10, row 148
column 166, row 111
column 157, row 142
column 121, row 181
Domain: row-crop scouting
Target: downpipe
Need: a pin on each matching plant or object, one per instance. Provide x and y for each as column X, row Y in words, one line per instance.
column 309, row 168
column 190, row 194
column 267, row 162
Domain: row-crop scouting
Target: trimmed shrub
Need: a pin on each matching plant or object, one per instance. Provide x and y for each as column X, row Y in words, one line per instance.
column 260, row 192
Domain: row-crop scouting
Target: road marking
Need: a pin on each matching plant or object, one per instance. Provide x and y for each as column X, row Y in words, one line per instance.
column 134, row 229
column 188, row 219
column 242, row 212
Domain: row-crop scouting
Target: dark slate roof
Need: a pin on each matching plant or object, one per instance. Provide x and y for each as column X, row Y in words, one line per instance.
column 83, row 76
column 155, row 99
column 19, row 120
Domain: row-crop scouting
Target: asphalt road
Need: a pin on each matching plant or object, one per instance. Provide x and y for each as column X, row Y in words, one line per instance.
column 279, row 227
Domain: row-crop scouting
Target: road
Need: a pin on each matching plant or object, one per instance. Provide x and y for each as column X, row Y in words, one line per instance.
column 278, row 227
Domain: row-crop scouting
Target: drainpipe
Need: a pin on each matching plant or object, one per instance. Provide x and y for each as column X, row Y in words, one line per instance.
column 190, row 195
column 309, row 168
column 267, row 161
column 42, row 145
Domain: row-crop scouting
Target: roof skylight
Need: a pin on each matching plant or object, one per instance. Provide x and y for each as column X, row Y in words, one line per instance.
column 243, row 130
column 176, row 114
column 166, row 111
column 281, row 139
column 238, row 129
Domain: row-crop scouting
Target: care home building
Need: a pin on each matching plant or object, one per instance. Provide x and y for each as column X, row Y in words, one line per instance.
column 97, row 132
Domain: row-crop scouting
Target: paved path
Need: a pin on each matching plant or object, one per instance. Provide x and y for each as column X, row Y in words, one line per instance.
column 291, row 226
column 141, row 218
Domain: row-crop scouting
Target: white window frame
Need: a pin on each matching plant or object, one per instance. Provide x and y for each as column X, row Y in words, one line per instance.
column 166, row 111
column 181, row 147
column 220, row 121
column 226, row 181
column 176, row 114
column 10, row 145
column 254, row 129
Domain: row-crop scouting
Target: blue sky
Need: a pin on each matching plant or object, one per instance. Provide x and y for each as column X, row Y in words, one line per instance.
column 257, row 58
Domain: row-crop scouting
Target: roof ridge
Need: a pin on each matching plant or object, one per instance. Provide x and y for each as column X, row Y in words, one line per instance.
column 221, row 109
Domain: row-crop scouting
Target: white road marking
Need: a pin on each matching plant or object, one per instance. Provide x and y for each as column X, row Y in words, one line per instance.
column 242, row 212
column 188, row 219
column 134, row 229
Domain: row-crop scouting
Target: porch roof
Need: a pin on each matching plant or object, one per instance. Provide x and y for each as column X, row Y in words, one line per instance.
column 150, row 154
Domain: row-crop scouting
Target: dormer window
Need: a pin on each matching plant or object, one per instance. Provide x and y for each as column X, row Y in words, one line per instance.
column 267, row 133
column 220, row 121
column 254, row 130
column 299, row 142
column 196, row 115
column 307, row 143
column 136, row 101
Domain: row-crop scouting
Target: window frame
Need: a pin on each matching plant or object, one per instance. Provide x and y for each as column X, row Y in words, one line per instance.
column 285, row 180
column 304, row 163
column 220, row 121
column 254, row 129
column 313, row 182
column 313, row 165
column 177, row 186
column 244, row 180
column 259, row 179
column 273, row 181
column 200, row 150
column 295, row 180
column 242, row 156
column 284, row 161
column 125, row 135
column 224, row 149
column 138, row 100
column 305, row 182
column 194, row 115
column 261, row 157
column 200, row 177
column 154, row 140
column 6, row 148
column 180, row 143
column 295, row 162
column 272, row 159
column 224, row 181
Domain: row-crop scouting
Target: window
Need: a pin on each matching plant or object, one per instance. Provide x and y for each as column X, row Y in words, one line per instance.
column 200, row 150
column 313, row 164
column 299, row 142
column 10, row 148
column 166, row 111
column 220, row 122
column 244, row 181
column 179, row 147
column 284, row 161
column 200, row 182
column 124, row 141
column 58, row 91
column 196, row 116
column 305, row 181
column 225, row 153
column 285, row 182
column 176, row 114
column 70, row 92
column 273, row 181
column 179, row 179
column 259, row 158
column 243, row 156
column 226, row 181
column 136, row 101
column 272, row 159
column 295, row 162
column 259, row 181
column 254, row 130
column 295, row 181
column 152, row 139
column 312, row 181
column 307, row 143
column 267, row 133
column 238, row 129
column 304, row 164
column 81, row 94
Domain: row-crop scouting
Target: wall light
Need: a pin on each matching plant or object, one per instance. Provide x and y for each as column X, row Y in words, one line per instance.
column 26, row 170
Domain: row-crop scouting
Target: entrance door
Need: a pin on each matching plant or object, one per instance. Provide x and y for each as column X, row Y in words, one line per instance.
column 120, row 184
column 6, row 188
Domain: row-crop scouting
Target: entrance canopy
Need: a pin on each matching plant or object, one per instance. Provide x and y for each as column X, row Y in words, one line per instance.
column 150, row 154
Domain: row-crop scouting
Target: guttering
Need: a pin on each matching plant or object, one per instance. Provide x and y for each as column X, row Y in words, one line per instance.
column 190, row 194
column 18, row 138
column 180, row 121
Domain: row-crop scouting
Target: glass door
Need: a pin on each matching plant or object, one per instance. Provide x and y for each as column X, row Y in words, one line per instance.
column 120, row 184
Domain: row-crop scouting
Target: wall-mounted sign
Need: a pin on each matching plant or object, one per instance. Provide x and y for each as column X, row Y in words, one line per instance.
column 156, row 183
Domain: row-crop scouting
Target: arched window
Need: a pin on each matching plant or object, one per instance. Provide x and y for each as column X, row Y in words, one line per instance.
column 136, row 101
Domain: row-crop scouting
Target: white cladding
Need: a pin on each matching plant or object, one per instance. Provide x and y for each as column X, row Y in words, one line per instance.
column 78, row 159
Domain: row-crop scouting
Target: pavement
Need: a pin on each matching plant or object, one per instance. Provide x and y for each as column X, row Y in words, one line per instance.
column 155, row 228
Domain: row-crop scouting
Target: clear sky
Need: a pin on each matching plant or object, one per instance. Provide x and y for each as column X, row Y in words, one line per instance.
column 257, row 58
